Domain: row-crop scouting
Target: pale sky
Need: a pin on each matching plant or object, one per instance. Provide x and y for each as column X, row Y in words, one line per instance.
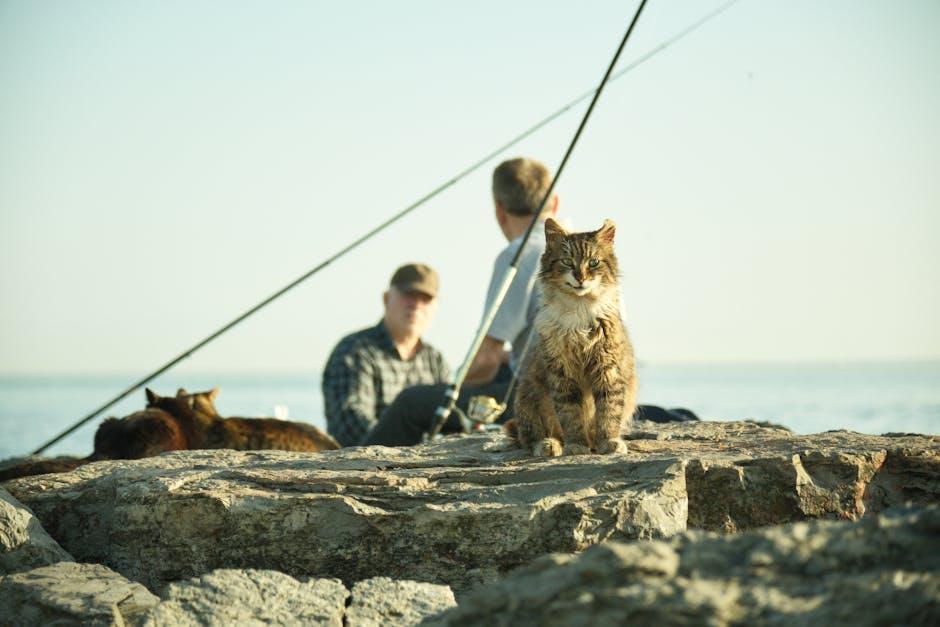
column 166, row 165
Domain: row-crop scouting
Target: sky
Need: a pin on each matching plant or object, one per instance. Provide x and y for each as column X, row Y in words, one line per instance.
column 166, row 166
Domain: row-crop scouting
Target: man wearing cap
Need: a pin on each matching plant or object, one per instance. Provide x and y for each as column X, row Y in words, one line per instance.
column 367, row 369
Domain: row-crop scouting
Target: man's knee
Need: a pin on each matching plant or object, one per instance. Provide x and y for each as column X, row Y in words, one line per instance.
column 420, row 394
column 417, row 400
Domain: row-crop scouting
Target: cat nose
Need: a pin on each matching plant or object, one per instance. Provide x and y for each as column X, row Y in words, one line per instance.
column 578, row 276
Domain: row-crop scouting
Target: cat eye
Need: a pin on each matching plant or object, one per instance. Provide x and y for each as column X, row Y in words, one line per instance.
column 567, row 263
column 593, row 263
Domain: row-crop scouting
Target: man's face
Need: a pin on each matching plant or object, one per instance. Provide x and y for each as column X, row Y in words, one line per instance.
column 408, row 313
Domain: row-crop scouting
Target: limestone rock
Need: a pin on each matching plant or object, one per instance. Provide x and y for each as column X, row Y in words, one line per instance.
column 70, row 593
column 457, row 512
column 881, row 571
column 744, row 475
column 24, row 544
column 264, row 597
column 249, row 597
column 382, row 602
column 462, row 511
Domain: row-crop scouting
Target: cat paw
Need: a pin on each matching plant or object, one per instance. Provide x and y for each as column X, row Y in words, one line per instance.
column 576, row 449
column 615, row 445
column 549, row 447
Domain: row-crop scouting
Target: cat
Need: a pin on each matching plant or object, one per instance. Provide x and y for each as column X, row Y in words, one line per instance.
column 242, row 434
column 179, row 423
column 27, row 467
column 144, row 433
column 578, row 389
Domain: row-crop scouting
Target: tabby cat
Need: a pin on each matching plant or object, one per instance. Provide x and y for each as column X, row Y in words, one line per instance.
column 578, row 389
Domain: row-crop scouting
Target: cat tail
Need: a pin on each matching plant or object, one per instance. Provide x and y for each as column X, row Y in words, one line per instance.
column 511, row 429
column 41, row 467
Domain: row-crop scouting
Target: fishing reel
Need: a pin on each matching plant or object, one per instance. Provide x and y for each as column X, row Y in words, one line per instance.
column 482, row 412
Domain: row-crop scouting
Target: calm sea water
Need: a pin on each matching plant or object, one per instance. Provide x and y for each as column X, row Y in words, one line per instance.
column 870, row 398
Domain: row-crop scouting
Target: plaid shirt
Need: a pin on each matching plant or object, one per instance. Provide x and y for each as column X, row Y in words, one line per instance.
column 363, row 376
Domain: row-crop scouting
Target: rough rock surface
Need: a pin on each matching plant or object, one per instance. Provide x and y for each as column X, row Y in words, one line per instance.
column 93, row 594
column 250, row 597
column 24, row 544
column 266, row 597
column 463, row 510
column 67, row 593
column 881, row 571
column 456, row 512
column 382, row 602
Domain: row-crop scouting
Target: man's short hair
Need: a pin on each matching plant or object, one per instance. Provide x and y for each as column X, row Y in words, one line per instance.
column 519, row 185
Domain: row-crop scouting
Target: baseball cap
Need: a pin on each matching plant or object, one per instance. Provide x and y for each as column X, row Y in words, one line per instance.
column 416, row 277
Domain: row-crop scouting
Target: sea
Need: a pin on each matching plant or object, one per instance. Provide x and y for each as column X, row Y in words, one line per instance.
column 871, row 398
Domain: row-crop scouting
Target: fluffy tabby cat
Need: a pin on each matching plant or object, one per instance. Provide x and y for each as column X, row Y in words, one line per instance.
column 578, row 389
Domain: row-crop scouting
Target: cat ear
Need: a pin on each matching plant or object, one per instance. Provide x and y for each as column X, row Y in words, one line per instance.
column 213, row 393
column 181, row 393
column 553, row 230
column 606, row 233
column 152, row 396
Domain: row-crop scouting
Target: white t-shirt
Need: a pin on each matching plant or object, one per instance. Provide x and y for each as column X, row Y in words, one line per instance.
column 517, row 311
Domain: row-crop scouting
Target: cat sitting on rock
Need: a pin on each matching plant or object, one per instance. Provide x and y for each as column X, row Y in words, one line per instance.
column 577, row 391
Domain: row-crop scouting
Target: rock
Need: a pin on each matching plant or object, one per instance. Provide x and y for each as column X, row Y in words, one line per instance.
column 462, row 511
column 265, row 597
column 382, row 602
column 881, row 571
column 250, row 597
column 70, row 593
column 24, row 544
column 93, row 594
column 744, row 475
column 457, row 512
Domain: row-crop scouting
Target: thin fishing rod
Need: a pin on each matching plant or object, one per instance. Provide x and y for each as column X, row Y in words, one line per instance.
column 381, row 227
column 453, row 392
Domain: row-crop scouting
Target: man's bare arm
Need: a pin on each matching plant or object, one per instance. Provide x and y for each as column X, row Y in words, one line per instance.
column 487, row 361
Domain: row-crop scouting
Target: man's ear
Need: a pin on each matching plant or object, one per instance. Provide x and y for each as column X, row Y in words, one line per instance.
column 385, row 298
column 553, row 230
column 606, row 233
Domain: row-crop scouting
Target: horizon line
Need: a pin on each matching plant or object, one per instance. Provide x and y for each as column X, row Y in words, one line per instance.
column 641, row 363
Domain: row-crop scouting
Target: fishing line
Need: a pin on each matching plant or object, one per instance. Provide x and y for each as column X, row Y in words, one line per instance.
column 395, row 218
column 453, row 392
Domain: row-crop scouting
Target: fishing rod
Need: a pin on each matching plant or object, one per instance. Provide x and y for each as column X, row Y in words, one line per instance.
column 395, row 218
column 444, row 410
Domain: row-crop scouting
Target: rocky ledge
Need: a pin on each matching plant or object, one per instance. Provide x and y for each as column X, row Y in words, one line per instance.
column 462, row 511
column 880, row 571
column 67, row 593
